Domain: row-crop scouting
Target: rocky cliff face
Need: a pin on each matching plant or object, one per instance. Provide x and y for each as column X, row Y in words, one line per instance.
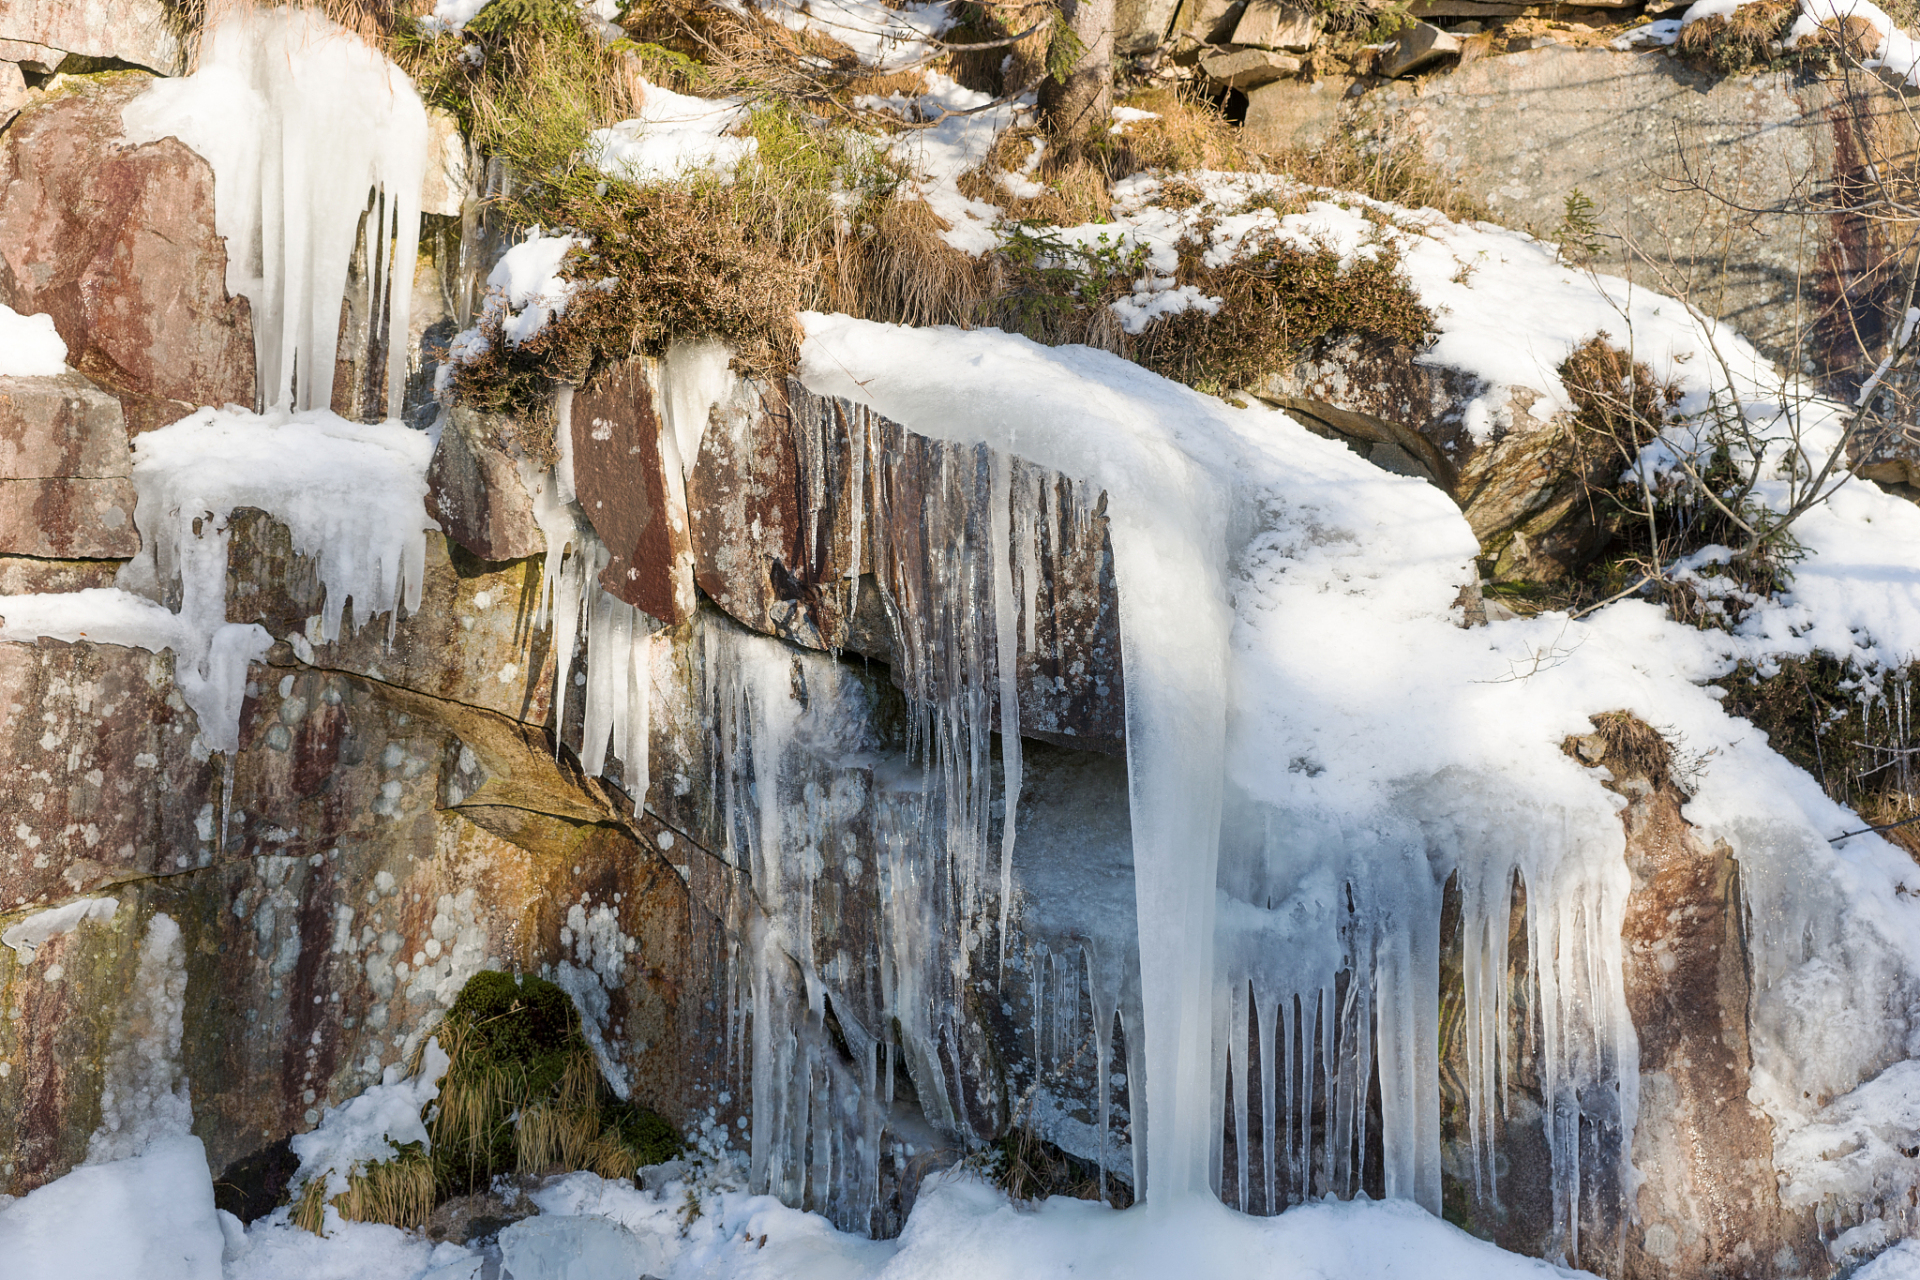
column 772, row 881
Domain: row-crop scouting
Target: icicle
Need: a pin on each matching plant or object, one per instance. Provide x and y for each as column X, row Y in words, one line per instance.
column 1006, row 655
column 300, row 120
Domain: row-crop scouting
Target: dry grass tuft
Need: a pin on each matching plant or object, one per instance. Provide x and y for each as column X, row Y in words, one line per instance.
column 1276, row 304
column 1740, row 42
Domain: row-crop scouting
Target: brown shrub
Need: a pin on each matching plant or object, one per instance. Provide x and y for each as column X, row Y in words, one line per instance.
column 1275, row 305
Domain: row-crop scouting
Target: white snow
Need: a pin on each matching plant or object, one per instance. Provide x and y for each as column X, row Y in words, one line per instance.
column 308, row 130
column 452, row 15
column 673, row 136
column 884, row 37
column 370, row 1128
column 27, row 936
column 936, row 156
column 30, row 347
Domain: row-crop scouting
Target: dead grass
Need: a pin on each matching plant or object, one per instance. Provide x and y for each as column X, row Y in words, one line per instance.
column 1739, row 42
column 398, row 1192
column 1276, row 304
column 1382, row 167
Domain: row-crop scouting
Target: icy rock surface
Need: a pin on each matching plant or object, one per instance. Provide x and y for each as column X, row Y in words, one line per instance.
column 144, row 1098
column 1254, row 558
column 555, row 1247
column 29, row 935
column 310, row 132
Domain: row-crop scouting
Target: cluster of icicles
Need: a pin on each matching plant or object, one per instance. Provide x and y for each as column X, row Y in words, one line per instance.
column 1316, row 1010
column 1324, row 963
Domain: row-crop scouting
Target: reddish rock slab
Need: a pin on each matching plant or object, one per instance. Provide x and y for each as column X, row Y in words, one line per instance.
column 68, row 519
column 61, row 427
column 139, row 32
column 474, row 490
column 636, row 504
column 793, row 493
column 99, row 780
column 29, row 575
column 117, row 244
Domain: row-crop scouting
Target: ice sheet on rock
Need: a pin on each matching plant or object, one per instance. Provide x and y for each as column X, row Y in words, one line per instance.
column 27, row 936
column 1346, row 803
column 674, row 135
column 143, row 1094
column 150, row 1216
column 351, row 494
column 30, row 347
column 371, row 1127
column 311, row 134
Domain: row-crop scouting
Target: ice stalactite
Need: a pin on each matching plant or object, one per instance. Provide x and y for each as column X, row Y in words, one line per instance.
column 311, row 134
column 615, row 701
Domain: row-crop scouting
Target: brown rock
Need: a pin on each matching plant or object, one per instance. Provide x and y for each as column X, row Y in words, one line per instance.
column 141, row 33
column 97, row 771
column 475, row 491
column 1420, row 46
column 1709, row 1203
column 1210, row 21
column 1247, row 68
column 1269, row 24
column 473, row 640
column 61, row 427
column 637, row 504
column 13, row 92
column 25, row 575
column 68, row 519
column 117, row 244
column 1290, row 114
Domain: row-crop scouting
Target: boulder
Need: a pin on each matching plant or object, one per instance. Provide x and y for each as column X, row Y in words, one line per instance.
column 1209, row 21
column 65, row 490
column 96, row 33
column 636, row 502
column 118, row 245
column 475, row 490
column 1419, row 47
column 1247, row 68
column 1270, row 24
column 1519, row 133
column 13, row 92
column 1288, row 114
column 1140, row 25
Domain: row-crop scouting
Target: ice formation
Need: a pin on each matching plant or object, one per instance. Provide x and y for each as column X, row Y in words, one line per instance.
column 314, row 138
column 143, row 1095
column 351, row 494
column 1251, row 553
column 27, row 936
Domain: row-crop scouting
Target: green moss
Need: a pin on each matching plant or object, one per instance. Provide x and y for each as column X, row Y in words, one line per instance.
column 527, row 1025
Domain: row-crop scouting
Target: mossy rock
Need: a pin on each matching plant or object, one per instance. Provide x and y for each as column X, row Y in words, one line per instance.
column 527, row 1025
column 645, row 1133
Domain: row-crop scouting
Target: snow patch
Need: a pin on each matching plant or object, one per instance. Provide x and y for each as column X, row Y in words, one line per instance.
column 30, row 347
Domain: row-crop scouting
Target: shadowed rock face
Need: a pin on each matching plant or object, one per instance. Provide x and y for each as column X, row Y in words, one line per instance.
column 117, row 244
